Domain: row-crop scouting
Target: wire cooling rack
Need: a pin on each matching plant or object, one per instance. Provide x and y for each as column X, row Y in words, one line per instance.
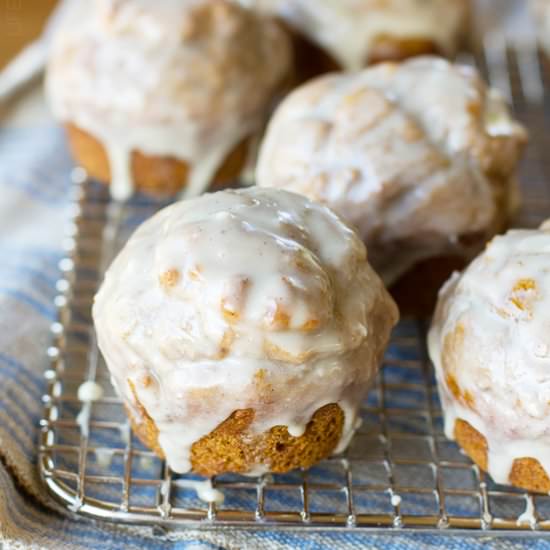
column 400, row 472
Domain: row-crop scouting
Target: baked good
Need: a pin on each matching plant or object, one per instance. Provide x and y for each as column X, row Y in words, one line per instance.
column 420, row 156
column 165, row 94
column 490, row 344
column 349, row 34
column 242, row 330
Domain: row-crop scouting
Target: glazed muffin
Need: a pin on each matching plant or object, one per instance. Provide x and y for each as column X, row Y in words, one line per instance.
column 420, row 157
column 490, row 344
column 349, row 34
column 242, row 330
column 159, row 95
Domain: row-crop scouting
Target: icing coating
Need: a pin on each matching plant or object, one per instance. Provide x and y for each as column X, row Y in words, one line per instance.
column 396, row 500
column 204, row 489
column 347, row 29
column 490, row 344
column 104, row 456
column 418, row 156
column 188, row 80
column 254, row 299
column 88, row 392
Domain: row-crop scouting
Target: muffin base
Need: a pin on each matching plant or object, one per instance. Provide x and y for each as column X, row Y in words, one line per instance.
column 391, row 48
column 527, row 473
column 155, row 175
column 230, row 448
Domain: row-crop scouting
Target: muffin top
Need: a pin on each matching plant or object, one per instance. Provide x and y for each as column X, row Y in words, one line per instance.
column 188, row 79
column 261, row 262
column 418, row 156
column 236, row 291
column 490, row 344
column 348, row 29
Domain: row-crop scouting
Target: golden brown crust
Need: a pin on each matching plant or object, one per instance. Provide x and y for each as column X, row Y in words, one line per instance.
column 391, row 48
column 527, row 473
column 152, row 174
column 231, row 448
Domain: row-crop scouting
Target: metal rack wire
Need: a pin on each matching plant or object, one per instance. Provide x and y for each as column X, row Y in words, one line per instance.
column 400, row 472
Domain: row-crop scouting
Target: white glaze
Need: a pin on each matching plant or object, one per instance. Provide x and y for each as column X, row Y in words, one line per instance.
column 415, row 155
column 88, row 392
column 276, row 262
column 491, row 335
column 188, row 80
column 349, row 431
column 395, row 500
column 104, row 456
column 164, row 488
column 528, row 516
column 83, row 418
column 204, row 490
column 260, row 470
column 347, row 29
column 125, row 431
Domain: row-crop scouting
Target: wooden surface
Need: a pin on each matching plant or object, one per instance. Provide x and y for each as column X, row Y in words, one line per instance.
column 21, row 21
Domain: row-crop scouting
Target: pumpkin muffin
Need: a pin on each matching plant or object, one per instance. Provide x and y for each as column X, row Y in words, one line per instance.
column 161, row 95
column 242, row 330
column 419, row 156
column 490, row 344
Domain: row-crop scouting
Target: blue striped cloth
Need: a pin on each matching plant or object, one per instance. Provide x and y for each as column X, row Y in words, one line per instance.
column 34, row 183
